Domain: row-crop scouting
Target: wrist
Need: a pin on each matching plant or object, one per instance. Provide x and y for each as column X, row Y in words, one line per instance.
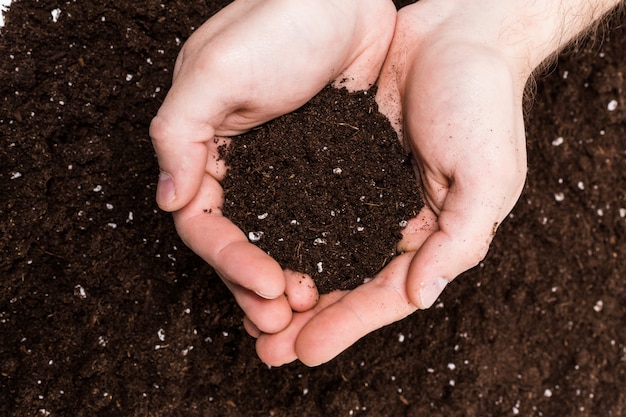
column 542, row 29
column 524, row 33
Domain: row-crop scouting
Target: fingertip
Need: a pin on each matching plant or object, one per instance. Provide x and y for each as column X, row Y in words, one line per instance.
column 425, row 293
column 248, row 265
column 270, row 316
column 436, row 263
column 268, row 295
column 270, row 282
column 280, row 348
column 417, row 230
column 182, row 155
column 328, row 333
column 166, row 191
column 301, row 291
column 312, row 351
column 433, row 266
column 176, row 189
column 251, row 328
column 274, row 354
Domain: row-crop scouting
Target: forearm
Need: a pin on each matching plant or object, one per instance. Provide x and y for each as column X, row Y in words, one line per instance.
column 552, row 24
column 537, row 30
column 524, row 32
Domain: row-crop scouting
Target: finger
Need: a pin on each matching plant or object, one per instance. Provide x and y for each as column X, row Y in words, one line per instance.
column 223, row 245
column 301, row 294
column 181, row 129
column 466, row 227
column 417, row 230
column 279, row 349
column 182, row 158
column 300, row 290
column 369, row 307
column 266, row 315
column 251, row 328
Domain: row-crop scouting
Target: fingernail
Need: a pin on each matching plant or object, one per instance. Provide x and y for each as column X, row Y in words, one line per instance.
column 266, row 296
column 430, row 291
column 165, row 188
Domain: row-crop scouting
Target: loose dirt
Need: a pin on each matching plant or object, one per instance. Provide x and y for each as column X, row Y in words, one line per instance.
column 325, row 190
column 104, row 312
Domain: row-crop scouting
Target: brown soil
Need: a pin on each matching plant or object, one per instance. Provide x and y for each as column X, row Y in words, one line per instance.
column 325, row 189
column 103, row 312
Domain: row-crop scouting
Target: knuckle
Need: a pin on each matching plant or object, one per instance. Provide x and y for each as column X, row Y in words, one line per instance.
column 159, row 129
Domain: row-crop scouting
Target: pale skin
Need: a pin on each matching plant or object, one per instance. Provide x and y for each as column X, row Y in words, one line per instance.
column 451, row 77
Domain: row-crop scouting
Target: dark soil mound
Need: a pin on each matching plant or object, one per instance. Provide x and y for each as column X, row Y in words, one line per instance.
column 325, row 189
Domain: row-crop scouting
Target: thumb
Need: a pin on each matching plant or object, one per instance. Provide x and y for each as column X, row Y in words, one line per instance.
column 182, row 155
column 460, row 243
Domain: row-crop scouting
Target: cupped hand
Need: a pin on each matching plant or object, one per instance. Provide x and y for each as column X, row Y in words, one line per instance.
column 456, row 102
column 251, row 62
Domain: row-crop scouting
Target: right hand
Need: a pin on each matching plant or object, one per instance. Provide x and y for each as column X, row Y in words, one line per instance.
column 457, row 104
column 253, row 61
column 452, row 85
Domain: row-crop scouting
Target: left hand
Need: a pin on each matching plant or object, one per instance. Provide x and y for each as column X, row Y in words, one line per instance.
column 251, row 62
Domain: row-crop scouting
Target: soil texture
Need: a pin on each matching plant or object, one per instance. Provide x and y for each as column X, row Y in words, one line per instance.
column 104, row 312
column 325, row 190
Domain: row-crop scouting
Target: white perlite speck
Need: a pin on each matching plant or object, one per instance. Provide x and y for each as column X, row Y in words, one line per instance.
column 80, row 292
column 4, row 6
column 598, row 307
column 55, row 15
column 612, row 105
column 255, row 236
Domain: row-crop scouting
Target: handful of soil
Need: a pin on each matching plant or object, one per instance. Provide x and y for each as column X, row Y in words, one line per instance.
column 324, row 190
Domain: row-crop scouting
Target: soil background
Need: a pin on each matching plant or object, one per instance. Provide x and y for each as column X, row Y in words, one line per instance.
column 104, row 312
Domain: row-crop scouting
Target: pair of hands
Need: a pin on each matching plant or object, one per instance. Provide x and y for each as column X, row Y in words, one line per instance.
column 455, row 100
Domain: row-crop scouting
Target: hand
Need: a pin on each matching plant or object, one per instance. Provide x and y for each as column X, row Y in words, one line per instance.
column 452, row 85
column 251, row 62
column 457, row 104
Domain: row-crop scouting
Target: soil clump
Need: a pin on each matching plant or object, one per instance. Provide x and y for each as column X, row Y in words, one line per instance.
column 325, row 189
